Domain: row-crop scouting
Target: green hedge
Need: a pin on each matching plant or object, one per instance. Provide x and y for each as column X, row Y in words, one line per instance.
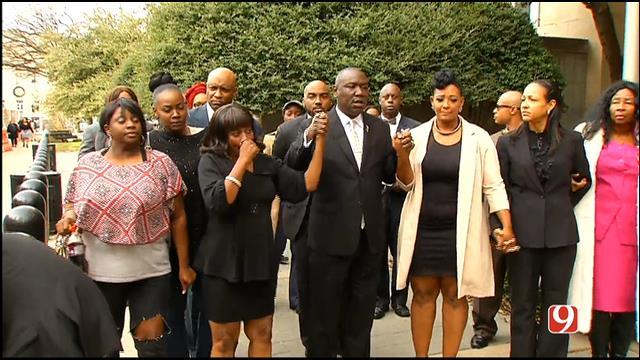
column 276, row 48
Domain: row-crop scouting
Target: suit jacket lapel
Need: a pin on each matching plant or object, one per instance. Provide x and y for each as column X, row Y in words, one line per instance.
column 340, row 137
column 402, row 124
column 522, row 147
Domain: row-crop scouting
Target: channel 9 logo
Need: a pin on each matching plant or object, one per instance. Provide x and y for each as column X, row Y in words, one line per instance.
column 563, row 319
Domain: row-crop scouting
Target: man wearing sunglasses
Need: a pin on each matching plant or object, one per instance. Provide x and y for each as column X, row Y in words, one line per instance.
column 507, row 113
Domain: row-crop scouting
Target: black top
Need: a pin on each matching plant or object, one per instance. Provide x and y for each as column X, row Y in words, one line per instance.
column 13, row 129
column 539, row 144
column 26, row 126
column 185, row 153
column 440, row 169
column 49, row 307
column 238, row 244
column 542, row 215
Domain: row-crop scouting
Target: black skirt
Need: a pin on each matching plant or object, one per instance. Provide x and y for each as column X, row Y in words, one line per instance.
column 434, row 253
column 226, row 302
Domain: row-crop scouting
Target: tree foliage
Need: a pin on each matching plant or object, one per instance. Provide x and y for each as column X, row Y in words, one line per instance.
column 277, row 48
column 89, row 60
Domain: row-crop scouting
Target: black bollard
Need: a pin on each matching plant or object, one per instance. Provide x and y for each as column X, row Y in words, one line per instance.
column 43, row 190
column 40, row 175
column 39, row 164
column 26, row 219
column 37, row 167
column 32, row 198
column 49, row 150
column 34, row 184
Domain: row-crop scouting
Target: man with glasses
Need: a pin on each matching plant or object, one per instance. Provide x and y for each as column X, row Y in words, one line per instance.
column 507, row 113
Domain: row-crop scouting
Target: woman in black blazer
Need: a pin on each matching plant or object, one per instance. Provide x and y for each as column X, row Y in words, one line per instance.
column 538, row 162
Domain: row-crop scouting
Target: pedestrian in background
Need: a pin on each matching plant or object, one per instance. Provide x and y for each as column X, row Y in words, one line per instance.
column 13, row 130
column 505, row 113
column 26, row 132
column 393, row 197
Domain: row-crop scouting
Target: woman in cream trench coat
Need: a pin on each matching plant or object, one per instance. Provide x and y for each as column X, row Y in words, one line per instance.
column 479, row 179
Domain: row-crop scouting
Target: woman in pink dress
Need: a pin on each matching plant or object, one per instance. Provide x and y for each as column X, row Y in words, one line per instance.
column 605, row 282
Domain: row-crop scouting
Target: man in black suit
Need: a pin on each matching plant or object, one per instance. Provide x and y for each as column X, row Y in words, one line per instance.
column 485, row 327
column 393, row 198
column 222, row 88
column 346, row 223
column 295, row 216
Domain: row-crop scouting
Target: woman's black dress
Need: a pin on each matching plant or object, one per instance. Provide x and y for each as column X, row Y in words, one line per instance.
column 237, row 251
column 435, row 250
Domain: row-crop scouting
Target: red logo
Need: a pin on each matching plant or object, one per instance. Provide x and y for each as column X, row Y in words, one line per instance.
column 563, row 319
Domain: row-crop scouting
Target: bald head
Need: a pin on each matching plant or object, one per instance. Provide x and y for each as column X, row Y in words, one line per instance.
column 390, row 100
column 347, row 72
column 507, row 110
column 511, row 98
column 352, row 91
column 222, row 72
column 317, row 97
column 221, row 87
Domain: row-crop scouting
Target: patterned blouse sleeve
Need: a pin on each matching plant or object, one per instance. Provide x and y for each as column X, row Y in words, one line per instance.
column 70, row 195
column 75, row 181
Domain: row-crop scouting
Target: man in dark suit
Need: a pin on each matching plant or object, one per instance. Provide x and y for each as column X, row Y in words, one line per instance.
column 295, row 216
column 393, row 198
column 506, row 113
column 222, row 88
column 346, row 223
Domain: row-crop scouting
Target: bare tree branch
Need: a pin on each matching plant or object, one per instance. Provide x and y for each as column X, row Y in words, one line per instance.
column 26, row 45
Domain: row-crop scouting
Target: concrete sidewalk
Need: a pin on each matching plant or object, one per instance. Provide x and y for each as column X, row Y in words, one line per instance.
column 390, row 337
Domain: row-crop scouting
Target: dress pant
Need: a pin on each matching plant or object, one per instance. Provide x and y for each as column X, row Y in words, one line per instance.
column 300, row 267
column 341, row 301
column 177, row 338
column 485, row 309
column 553, row 268
column 611, row 333
column 392, row 207
column 200, row 341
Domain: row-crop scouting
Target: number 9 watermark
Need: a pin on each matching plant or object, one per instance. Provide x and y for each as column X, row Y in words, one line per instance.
column 563, row 319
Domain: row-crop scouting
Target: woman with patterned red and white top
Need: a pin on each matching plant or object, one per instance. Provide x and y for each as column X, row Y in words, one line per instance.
column 127, row 203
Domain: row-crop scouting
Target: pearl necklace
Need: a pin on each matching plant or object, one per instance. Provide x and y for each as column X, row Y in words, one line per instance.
column 445, row 133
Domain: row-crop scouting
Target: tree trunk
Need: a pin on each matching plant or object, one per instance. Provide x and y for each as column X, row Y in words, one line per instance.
column 607, row 33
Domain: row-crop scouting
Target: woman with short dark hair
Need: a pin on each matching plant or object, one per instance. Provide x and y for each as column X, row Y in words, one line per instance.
column 443, row 238
column 182, row 144
column 237, row 252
